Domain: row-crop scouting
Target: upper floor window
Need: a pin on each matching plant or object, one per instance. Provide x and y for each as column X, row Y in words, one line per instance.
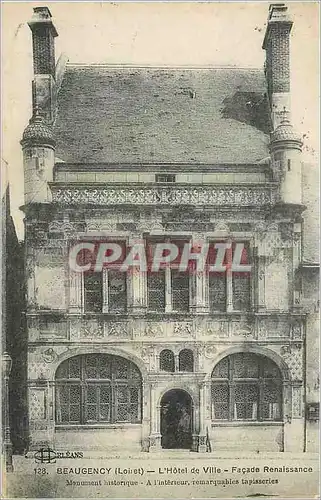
column 231, row 290
column 93, row 292
column 246, row 386
column 168, row 289
column 167, row 361
column 165, row 178
column 186, row 361
column 105, row 291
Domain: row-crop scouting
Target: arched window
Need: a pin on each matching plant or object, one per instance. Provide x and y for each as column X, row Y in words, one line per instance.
column 167, row 361
column 186, row 361
column 246, row 386
column 95, row 388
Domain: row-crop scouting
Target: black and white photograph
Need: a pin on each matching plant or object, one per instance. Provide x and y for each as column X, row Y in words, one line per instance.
column 160, row 250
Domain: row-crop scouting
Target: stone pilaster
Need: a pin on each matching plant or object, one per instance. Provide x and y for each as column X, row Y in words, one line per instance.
column 76, row 292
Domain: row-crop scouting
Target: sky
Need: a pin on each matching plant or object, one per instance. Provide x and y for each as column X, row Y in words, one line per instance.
column 159, row 33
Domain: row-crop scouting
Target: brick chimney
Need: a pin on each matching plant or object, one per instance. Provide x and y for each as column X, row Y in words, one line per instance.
column 44, row 64
column 277, row 66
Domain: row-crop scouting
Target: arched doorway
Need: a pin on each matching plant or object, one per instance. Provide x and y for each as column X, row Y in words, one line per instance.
column 176, row 419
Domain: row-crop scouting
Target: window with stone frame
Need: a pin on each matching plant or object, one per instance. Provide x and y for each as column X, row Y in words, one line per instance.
column 230, row 290
column 97, row 388
column 105, row 291
column 116, row 283
column 168, row 290
column 167, row 361
column 186, row 361
column 246, row 386
column 93, row 292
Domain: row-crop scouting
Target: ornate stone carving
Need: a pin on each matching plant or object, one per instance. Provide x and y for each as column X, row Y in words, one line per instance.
column 49, row 355
column 209, row 351
column 217, row 328
column 296, row 402
column 273, row 327
column 154, row 330
column 257, row 196
column 292, row 355
column 116, row 329
column 91, row 329
column 36, row 404
column 296, row 330
column 183, row 328
column 241, row 328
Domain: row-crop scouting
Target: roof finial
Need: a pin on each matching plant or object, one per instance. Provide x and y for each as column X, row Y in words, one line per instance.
column 285, row 115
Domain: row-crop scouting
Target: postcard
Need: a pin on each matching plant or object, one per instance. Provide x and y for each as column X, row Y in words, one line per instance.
column 160, row 252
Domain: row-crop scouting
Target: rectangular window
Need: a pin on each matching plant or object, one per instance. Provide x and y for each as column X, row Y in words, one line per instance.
column 156, row 291
column 241, row 291
column 168, row 288
column 217, row 291
column 180, row 291
column 230, row 290
column 117, row 291
column 168, row 178
column 93, row 292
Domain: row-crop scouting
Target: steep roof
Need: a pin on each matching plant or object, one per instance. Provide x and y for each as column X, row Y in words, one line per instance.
column 134, row 114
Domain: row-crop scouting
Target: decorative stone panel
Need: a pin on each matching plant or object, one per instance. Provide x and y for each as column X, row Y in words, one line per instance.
column 181, row 329
column 273, row 327
column 296, row 402
column 238, row 196
column 37, row 404
column 293, row 356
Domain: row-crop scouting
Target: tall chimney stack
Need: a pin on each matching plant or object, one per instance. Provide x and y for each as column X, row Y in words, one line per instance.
column 277, row 66
column 44, row 64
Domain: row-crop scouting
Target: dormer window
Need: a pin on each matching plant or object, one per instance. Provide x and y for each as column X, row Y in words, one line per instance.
column 165, row 178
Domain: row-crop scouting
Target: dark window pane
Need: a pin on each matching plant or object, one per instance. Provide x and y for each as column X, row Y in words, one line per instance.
column 74, row 367
column 92, row 413
column 217, row 291
column 221, row 369
column 104, row 367
column 104, row 413
column 156, row 291
column 241, row 291
column 180, row 291
column 186, row 361
column 92, row 394
column 105, row 395
column 272, row 397
column 122, row 413
column 220, row 399
column 270, row 369
column 122, row 394
column 246, row 402
column 91, row 366
column 117, row 291
column 93, row 292
column 245, row 365
column 63, row 370
column 167, row 361
column 121, row 369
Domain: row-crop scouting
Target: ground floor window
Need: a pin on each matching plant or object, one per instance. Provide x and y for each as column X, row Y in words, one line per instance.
column 98, row 388
column 246, row 386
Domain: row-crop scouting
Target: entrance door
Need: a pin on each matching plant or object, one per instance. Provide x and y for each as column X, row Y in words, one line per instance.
column 176, row 419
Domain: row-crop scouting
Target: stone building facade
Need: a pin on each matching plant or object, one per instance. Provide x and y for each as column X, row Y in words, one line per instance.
column 169, row 154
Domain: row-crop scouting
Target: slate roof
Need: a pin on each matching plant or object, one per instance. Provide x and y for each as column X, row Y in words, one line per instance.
column 133, row 114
